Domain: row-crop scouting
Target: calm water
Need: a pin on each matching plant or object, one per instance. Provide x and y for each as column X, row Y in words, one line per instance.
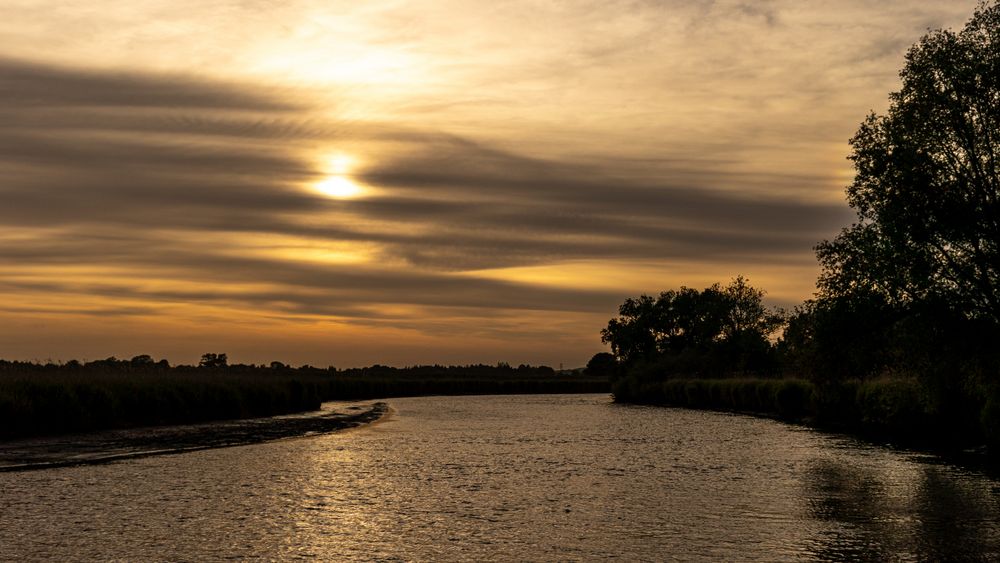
column 568, row 477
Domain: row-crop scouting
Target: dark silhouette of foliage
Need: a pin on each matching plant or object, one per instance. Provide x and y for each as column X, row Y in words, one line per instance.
column 52, row 399
column 602, row 364
column 213, row 361
column 714, row 331
column 634, row 334
column 927, row 184
column 142, row 360
column 836, row 338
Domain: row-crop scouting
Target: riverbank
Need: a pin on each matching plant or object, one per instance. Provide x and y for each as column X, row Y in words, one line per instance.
column 898, row 411
column 108, row 446
column 40, row 400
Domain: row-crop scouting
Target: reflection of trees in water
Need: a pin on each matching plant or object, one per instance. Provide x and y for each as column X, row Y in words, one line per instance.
column 901, row 510
column 958, row 517
column 851, row 497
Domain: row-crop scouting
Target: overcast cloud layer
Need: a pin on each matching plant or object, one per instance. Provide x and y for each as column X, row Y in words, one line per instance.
column 519, row 171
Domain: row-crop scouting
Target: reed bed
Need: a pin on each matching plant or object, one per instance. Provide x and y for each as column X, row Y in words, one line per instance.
column 39, row 400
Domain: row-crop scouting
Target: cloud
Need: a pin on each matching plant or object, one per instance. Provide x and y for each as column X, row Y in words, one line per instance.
column 159, row 188
column 149, row 174
column 27, row 85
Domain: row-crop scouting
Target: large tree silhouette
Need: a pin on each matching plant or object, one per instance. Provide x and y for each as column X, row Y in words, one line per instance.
column 927, row 184
column 729, row 323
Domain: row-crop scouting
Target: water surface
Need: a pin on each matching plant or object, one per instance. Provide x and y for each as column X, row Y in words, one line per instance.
column 564, row 477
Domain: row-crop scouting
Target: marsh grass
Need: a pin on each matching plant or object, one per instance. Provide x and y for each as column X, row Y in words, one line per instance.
column 889, row 408
column 40, row 400
column 786, row 398
column 53, row 403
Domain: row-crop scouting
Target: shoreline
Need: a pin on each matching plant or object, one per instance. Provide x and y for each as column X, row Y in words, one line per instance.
column 116, row 445
column 974, row 457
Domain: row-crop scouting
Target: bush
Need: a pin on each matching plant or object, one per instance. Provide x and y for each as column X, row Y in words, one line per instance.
column 894, row 407
column 791, row 398
column 989, row 418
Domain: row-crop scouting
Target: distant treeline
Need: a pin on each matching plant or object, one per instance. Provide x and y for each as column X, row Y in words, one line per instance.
column 903, row 335
column 50, row 398
column 147, row 364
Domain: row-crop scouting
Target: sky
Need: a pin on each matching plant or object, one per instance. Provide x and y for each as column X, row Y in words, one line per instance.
column 351, row 183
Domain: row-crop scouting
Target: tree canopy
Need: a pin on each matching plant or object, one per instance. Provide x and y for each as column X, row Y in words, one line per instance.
column 729, row 321
column 927, row 181
column 211, row 360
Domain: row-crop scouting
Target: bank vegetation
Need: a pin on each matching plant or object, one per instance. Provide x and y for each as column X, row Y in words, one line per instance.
column 40, row 399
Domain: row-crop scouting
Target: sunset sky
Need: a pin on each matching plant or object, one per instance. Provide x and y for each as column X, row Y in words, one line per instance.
column 349, row 183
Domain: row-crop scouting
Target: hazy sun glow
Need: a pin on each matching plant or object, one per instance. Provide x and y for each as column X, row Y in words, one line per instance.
column 340, row 163
column 338, row 183
column 339, row 187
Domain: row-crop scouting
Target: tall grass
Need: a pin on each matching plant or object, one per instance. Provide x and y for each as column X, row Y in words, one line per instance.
column 36, row 400
column 785, row 398
column 68, row 402
column 896, row 409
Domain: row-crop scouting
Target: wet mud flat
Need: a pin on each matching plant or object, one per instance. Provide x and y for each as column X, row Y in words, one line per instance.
column 107, row 446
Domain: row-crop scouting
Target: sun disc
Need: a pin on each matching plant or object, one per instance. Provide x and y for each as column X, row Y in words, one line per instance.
column 339, row 187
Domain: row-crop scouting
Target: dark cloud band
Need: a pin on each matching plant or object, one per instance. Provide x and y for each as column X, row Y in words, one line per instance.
column 144, row 174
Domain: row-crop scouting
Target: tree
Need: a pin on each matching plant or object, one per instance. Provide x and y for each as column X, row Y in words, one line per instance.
column 839, row 338
column 213, row 361
column 633, row 334
column 927, row 184
column 746, row 313
column 602, row 364
column 728, row 325
column 142, row 360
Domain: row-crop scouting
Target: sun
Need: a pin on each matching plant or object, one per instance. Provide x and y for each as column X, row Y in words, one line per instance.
column 339, row 187
column 337, row 183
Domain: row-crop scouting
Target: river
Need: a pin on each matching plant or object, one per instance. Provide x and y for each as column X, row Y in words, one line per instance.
column 504, row 478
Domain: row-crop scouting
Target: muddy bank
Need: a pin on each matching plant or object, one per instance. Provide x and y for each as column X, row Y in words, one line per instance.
column 103, row 447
